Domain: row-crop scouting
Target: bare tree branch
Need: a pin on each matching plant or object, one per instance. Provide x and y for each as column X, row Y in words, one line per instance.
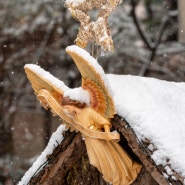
column 143, row 36
column 153, row 49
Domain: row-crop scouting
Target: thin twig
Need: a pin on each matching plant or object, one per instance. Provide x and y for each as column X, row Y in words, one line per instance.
column 43, row 44
column 152, row 47
column 142, row 35
column 162, row 28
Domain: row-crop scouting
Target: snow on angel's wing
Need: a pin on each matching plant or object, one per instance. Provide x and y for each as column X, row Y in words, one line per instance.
column 93, row 80
column 49, row 90
column 41, row 79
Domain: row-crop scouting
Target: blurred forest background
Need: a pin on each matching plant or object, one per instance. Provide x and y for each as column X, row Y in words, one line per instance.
column 148, row 36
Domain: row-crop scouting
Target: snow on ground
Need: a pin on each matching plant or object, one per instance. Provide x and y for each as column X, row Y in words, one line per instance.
column 155, row 109
column 55, row 139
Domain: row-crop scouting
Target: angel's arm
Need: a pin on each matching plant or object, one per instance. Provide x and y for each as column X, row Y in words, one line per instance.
column 100, row 121
column 106, row 128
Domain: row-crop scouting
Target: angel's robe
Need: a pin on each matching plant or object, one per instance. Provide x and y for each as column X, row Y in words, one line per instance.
column 107, row 156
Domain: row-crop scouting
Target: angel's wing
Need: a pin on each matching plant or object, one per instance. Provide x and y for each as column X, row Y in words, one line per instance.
column 48, row 90
column 93, row 80
column 41, row 79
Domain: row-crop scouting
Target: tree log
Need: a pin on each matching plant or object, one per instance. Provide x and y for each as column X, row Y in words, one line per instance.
column 69, row 164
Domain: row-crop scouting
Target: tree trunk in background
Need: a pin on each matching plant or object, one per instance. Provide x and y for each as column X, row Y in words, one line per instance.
column 181, row 6
column 5, row 137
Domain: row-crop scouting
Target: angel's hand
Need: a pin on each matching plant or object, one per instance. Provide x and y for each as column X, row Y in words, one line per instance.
column 106, row 128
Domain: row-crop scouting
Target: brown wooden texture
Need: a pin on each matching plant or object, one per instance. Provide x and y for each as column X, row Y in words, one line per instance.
column 62, row 159
column 68, row 165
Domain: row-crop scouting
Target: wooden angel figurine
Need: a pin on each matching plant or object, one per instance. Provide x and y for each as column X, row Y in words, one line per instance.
column 87, row 111
column 106, row 155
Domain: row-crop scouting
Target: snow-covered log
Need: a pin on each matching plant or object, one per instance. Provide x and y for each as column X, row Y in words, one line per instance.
column 60, row 161
column 154, row 110
column 68, row 163
column 141, row 149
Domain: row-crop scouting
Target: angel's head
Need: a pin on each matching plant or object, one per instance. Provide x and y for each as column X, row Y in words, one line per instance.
column 75, row 99
column 72, row 106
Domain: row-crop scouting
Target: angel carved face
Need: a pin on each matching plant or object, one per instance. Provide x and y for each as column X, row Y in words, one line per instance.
column 72, row 106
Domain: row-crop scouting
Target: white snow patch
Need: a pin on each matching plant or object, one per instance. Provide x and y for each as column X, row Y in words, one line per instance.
column 55, row 139
column 74, row 3
column 155, row 110
column 168, row 170
column 78, row 94
column 173, row 177
column 151, row 147
column 165, row 175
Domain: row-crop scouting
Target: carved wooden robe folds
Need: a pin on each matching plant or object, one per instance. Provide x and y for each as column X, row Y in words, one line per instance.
column 107, row 156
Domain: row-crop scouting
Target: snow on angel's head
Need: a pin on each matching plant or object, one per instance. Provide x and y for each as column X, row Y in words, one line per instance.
column 78, row 94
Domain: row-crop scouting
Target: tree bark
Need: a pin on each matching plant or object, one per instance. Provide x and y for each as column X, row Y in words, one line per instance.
column 68, row 164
